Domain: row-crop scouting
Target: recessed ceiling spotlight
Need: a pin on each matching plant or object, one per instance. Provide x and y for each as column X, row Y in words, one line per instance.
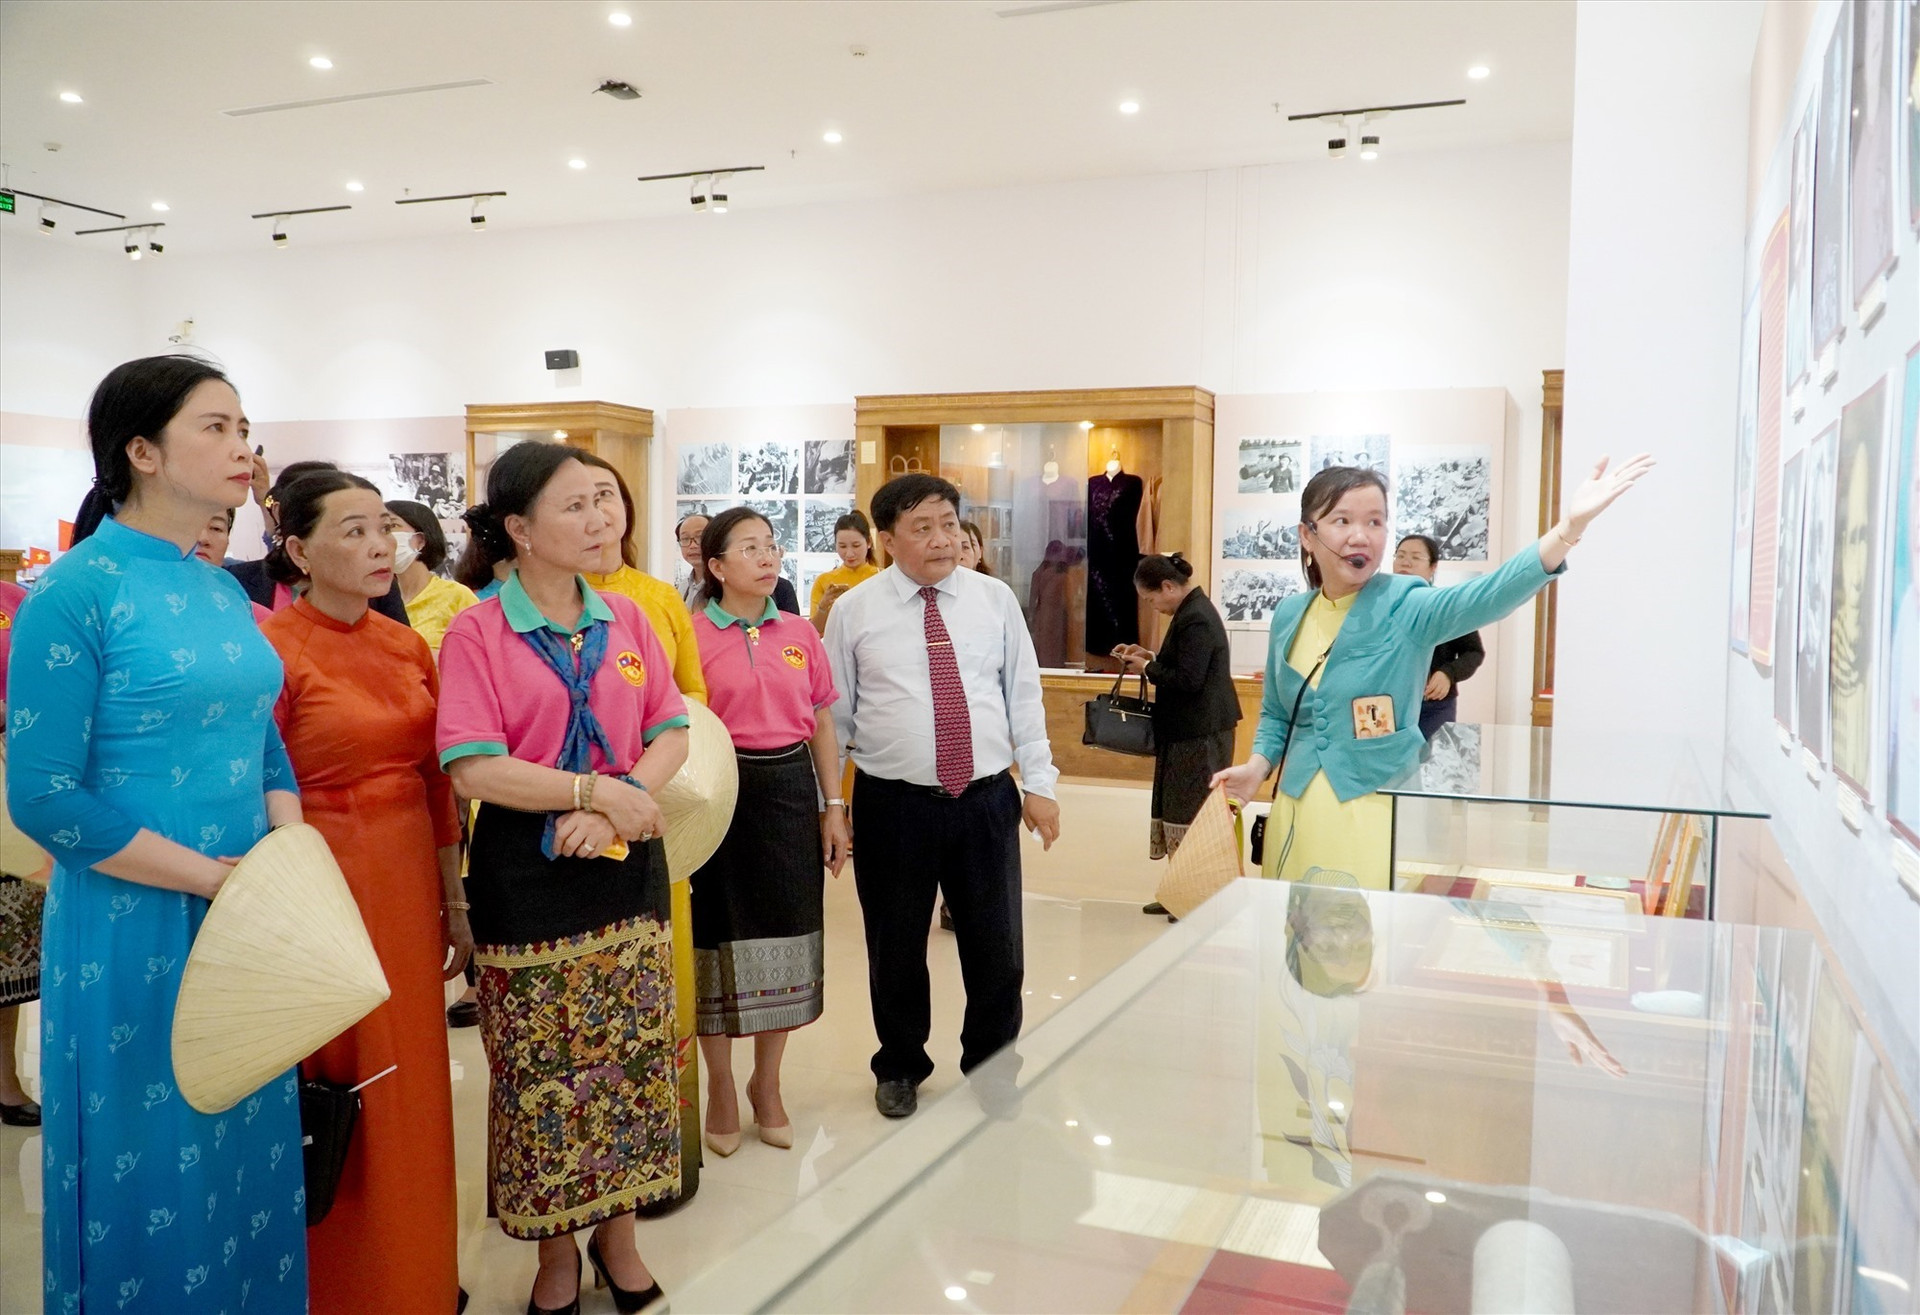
column 355, row 185
column 1479, row 71
column 560, row 435
column 831, row 137
column 1129, row 107
column 576, row 163
column 979, row 429
column 1086, row 424
column 70, row 97
column 321, row 62
column 619, row 19
column 161, row 206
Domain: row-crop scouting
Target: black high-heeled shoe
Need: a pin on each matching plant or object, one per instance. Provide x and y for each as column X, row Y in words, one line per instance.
column 625, row 1300
column 572, row 1307
column 24, row 1115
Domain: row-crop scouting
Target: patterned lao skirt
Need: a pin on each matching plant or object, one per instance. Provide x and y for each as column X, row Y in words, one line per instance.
column 575, row 978
column 759, row 904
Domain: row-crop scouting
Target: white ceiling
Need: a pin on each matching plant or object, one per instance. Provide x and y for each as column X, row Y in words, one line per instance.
column 949, row 95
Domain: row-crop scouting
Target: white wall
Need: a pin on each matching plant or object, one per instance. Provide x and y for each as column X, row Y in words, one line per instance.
column 1652, row 346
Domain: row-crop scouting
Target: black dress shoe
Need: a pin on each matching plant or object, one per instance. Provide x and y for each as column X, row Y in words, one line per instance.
column 463, row 1013
column 896, row 1098
column 946, row 917
column 460, row 1308
column 571, row 1308
column 24, row 1115
column 1154, row 909
column 626, row 1300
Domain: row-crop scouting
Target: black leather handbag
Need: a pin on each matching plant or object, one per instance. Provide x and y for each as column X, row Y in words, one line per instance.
column 328, row 1111
column 1119, row 723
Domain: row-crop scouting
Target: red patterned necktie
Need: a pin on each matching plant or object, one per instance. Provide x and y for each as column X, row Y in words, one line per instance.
column 952, row 728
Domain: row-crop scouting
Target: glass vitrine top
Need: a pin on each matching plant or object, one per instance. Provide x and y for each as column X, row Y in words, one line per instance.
column 1543, row 765
column 1303, row 1091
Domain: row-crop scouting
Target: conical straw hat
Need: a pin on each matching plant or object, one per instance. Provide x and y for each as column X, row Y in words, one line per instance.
column 1208, row 858
column 282, row 965
column 698, row 801
column 19, row 856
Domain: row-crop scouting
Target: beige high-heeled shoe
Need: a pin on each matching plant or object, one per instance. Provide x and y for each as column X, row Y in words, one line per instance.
column 721, row 1144
column 780, row 1136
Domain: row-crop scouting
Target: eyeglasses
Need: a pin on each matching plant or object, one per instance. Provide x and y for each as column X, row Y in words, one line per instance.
column 689, row 541
column 754, row 553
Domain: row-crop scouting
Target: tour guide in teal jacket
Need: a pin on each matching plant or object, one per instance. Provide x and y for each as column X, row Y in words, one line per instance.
column 1352, row 656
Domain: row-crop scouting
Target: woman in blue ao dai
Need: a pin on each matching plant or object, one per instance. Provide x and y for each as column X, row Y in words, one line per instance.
column 142, row 754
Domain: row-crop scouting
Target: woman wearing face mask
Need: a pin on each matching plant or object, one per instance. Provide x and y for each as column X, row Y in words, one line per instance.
column 853, row 543
column 142, row 754
column 419, row 547
column 1348, row 661
column 357, row 712
column 558, row 713
column 619, row 572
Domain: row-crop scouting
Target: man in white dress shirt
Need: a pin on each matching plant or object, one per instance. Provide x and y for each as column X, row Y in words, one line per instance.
column 940, row 696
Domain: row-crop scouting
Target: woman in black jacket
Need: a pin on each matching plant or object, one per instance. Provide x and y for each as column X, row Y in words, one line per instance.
column 1195, row 707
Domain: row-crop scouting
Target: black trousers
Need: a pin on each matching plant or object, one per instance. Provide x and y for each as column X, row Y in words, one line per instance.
column 910, row 844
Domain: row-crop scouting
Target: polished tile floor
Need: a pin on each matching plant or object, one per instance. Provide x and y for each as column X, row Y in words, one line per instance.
column 1082, row 919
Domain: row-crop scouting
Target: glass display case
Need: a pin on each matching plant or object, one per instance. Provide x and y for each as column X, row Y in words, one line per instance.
column 1544, row 815
column 1313, row 1098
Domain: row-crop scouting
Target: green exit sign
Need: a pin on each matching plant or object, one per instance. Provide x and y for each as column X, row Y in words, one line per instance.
column 6, row 203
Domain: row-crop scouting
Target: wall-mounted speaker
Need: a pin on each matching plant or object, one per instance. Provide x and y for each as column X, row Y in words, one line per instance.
column 563, row 360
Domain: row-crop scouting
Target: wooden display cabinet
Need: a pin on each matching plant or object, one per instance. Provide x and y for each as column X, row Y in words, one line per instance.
column 618, row 434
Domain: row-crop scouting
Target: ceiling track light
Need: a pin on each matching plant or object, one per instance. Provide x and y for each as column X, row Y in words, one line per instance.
column 1359, row 122
column 697, row 192
column 477, row 222
column 130, row 234
column 719, row 197
column 280, row 217
column 48, row 224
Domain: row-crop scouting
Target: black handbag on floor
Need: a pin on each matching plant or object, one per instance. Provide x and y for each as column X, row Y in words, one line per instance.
column 1119, row 723
column 328, row 1111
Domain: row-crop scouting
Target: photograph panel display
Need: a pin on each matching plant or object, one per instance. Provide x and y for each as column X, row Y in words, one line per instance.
column 1445, row 492
column 1800, row 250
column 1911, row 81
column 1786, row 592
column 1830, row 192
column 1747, row 422
column 430, row 478
column 784, row 515
column 829, row 466
column 1371, row 451
column 1858, row 490
column 770, row 468
column 1816, row 578
column 1768, row 429
column 1903, row 618
column 685, row 507
column 820, row 514
column 1262, row 535
column 1870, row 157
column 1271, row 465
column 1252, row 594
column 705, row 468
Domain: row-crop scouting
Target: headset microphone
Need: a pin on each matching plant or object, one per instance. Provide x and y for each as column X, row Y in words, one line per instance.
column 1357, row 561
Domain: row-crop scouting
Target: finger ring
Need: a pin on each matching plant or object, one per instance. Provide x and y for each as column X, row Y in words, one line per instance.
column 645, row 836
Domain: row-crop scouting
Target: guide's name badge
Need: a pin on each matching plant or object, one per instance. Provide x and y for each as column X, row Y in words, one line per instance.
column 1373, row 716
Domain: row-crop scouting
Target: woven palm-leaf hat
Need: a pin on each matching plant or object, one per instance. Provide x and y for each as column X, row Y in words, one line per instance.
column 19, row 856
column 1207, row 860
column 698, row 802
column 281, row 966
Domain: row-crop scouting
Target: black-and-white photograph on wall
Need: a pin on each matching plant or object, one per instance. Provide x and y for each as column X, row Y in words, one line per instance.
column 829, row 465
column 1262, row 535
column 1816, row 572
column 1800, row 245
column 1786, row 592
column 705, row 468
column 1830, row 191
column 709, row 507
column 1854, row 664
column 1372, row 451
column 770, row 468
column 820, row 514
column 1445, row 491
column 784, row 516
column 1870, row 147
column 429, row 478
column 1271, row 465
column 1251, row 595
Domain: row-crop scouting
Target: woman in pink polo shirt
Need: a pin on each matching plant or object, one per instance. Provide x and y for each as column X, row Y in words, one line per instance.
column 757, row 903
column 559, row 714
